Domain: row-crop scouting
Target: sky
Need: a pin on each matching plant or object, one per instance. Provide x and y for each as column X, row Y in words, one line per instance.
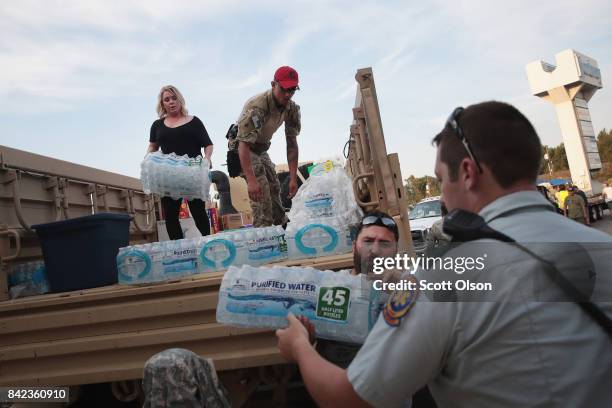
column 80, row 78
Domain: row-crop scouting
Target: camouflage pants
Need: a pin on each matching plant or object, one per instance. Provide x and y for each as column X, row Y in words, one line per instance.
column 180, row 378
column 270, row 210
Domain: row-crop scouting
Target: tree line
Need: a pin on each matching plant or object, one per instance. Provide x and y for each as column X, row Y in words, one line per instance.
column 418, row 188
column 554, row 158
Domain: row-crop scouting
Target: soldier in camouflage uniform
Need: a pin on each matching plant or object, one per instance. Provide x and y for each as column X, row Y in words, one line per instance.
column 179, row 378
column 261, row 116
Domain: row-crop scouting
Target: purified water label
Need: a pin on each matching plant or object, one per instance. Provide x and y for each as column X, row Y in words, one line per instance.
column 179, row 265
column 271, row 297
column 267, row 248
column 262, row 297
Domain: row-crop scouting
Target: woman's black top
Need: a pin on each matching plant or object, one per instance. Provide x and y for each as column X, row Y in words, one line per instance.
column 185, row 139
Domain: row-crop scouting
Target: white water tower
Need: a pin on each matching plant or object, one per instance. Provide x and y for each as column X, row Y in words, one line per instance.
column 569, row 86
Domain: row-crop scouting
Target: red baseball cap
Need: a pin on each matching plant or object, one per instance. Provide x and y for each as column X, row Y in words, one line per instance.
column 287, row 77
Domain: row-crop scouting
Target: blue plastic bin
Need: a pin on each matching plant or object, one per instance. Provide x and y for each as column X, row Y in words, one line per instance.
column 80, row 253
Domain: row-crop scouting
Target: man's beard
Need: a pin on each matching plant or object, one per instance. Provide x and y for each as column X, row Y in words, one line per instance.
column 363, row 264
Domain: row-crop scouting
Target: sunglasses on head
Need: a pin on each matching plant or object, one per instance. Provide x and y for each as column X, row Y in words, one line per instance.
column 381, row 220
column 453, row 124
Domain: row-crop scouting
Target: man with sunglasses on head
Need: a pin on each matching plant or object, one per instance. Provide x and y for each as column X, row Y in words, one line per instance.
column 261, row 117
column 517, row 348
column 376, row 237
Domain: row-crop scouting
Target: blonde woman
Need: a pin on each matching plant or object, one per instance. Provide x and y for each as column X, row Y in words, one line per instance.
column 177, row 132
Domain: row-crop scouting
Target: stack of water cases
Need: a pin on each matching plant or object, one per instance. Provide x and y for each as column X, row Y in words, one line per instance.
column 249, row 246
column 175, row 176
column 160, row 261
column 321, row 214
column 337, row 303
column 27, row 279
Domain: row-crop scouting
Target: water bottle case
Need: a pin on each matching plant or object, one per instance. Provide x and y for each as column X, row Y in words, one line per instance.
column 155, row 262
column 28, row 272
column 170, row 175
column 321, row 213
column 123, row 260
column 179, row 266
column 267, row 248
column 28, row 279
column 261, row 297
column 264, row 252
column 311, row 250
column 211, row 263
column 326, row 194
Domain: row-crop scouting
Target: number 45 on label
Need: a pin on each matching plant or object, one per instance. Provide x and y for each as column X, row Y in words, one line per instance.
column 333, row 303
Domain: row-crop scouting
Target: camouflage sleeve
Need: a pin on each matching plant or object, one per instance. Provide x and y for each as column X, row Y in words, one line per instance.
column 293, row 122
column 250, row 124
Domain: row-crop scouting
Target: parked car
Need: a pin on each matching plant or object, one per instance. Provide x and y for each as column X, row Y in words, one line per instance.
column 422, row 217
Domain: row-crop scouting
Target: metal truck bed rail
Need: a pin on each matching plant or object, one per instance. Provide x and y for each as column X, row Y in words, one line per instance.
column 377, row 177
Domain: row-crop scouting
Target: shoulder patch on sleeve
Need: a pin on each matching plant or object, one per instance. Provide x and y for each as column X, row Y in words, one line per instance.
column 400, row 302
column 257, row 120
column 249, row 125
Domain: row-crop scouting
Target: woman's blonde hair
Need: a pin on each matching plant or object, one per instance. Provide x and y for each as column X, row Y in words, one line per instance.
column 161, row 111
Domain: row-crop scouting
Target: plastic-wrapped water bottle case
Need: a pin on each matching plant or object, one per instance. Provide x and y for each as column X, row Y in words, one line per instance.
column 337, row 303
column 27, row 279
column 170, row 175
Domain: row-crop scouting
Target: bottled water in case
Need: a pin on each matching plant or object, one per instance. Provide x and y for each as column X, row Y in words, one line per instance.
column 182, row 259
column 249, row 246
column 166, row 260
column 219, row 252
column 157, row 261
column 134, row 264
column 175, row 176
column 27, row 279
column 265, row 245
column 327, row 193
column 322, row 213
column 330, row 236
column 262, row 297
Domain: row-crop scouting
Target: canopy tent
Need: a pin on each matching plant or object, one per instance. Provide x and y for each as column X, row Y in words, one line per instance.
column 559, row 181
